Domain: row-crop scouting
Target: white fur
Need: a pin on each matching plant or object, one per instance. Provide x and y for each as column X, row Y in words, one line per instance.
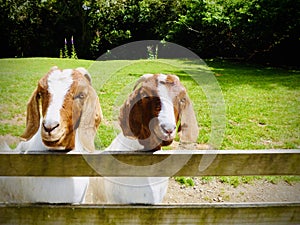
column 166, row 116
column 34, row 144
column 59, row 83
column 42, row 189
column 122, row 143
column 132, row 190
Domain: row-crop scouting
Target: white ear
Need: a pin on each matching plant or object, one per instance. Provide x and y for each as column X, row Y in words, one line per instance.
column 90, row 120
column 189, row 127
column 85, row 73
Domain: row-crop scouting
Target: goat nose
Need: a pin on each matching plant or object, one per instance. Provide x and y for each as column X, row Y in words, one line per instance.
column 50, row 126
column 168, row 128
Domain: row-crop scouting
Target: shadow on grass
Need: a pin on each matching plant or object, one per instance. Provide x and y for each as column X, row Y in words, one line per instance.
column 235, row 74
column 230, row 74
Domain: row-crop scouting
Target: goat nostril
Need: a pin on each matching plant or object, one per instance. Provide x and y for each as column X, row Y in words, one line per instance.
column 168, row 129
column 49, row 127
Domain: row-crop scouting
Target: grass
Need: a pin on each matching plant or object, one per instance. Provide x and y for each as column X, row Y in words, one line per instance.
column 262, row 106
column 187, row 181
column 262, row 103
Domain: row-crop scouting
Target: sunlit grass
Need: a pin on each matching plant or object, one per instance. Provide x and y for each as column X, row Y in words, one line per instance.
column 262, row 104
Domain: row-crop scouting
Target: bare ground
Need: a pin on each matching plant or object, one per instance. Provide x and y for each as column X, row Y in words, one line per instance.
column 216, row 191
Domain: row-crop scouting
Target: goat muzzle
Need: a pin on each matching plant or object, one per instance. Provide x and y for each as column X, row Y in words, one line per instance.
column 52, row 133
column 49, row 127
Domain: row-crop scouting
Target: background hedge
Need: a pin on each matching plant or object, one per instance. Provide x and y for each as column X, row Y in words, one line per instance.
column 264, row 31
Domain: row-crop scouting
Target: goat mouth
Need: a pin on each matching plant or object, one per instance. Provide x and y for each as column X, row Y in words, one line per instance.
column 52, row 141
column 51, row 144
column 163, row 136
column 52, row 138
column 167, row 138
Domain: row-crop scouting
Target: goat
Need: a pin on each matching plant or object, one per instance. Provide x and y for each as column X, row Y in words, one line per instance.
column 63, row 113
column 148, row 119
column 71, row 112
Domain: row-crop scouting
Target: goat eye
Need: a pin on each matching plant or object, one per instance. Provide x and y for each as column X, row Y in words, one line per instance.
column 80, row 96
column 144, row 95
column 41, row 94
column 158, row 106
column 182, row 101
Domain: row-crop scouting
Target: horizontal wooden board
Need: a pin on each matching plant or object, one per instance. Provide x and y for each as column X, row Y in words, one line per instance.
column 243, row 213
column 161, row 163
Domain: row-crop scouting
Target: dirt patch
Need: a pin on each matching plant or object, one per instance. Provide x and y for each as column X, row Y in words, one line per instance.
column 216, row 191
column 18, row 120
column 9, row 140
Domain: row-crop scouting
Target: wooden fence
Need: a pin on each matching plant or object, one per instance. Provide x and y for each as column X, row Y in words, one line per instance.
column 162, row 163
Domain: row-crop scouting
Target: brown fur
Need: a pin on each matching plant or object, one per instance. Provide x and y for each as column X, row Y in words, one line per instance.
column 39, row 96
column 144, row 104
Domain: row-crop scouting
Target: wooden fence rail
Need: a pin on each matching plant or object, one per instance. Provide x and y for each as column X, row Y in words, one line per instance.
column 161, row 163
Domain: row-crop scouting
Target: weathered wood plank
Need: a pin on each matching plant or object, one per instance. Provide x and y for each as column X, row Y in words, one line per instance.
column 243, row 213
column 162, row 163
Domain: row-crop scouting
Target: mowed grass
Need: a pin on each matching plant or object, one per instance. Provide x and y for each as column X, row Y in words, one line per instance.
column 262, row 104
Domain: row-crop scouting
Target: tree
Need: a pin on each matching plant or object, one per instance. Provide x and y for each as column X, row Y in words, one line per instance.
column 256, row 30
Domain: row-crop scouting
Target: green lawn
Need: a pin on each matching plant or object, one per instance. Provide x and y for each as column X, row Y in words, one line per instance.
column 262, row 104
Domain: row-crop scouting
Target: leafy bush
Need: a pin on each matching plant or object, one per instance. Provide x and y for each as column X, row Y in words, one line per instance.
column 260, row 30
column 257, row 29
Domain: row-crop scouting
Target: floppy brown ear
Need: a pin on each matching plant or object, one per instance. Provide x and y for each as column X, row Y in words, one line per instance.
column 188, row 126
column 130, row 118
column 90, row 119
column 32, row 117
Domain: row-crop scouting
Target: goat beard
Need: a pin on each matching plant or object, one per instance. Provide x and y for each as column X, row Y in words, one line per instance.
column 154, row 144
column 151, row 139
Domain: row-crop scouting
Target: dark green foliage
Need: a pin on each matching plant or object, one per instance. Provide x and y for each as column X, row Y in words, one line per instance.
column 187, row 181
column 258, row 30
column 263, row 30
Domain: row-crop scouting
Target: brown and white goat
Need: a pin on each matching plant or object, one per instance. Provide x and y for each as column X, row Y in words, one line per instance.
column 149, row 119
column 63, row 113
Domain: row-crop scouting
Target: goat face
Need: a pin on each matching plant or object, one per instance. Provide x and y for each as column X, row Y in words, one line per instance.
column 67, row 102
column 153, row 110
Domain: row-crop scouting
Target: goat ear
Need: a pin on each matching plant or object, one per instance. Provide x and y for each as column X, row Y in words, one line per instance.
column 142, row 79
column 90, row 119
column 129, row 118
column 33, row 116
column 188, row 127
column 85, row 73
